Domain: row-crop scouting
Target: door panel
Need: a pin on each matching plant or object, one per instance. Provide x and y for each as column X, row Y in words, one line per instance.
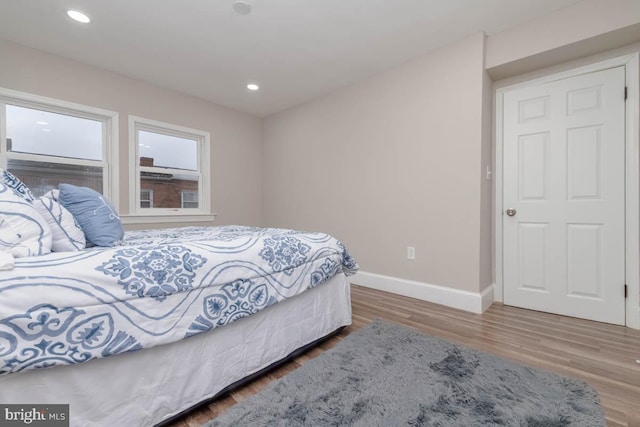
column 533, row 259
column 564, row 174
column 584, row 153
column 533, row 172
column 584, row 260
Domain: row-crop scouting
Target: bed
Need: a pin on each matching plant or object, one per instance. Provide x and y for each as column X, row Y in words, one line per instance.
column 137, row 333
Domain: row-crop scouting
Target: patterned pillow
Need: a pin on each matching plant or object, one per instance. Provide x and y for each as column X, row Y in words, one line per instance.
column 96, row 216
column 53, row 194
column 12, row 181
column 67, row 234
column 23, row 231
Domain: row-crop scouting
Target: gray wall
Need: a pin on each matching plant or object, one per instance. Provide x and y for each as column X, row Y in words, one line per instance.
column 400, row 159
column 392, row 162
column 236, row 138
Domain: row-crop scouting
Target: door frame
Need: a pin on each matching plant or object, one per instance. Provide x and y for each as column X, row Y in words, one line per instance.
column 631, row 63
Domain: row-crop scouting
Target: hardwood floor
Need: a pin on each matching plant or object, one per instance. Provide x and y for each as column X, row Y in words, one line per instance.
column 602, row 355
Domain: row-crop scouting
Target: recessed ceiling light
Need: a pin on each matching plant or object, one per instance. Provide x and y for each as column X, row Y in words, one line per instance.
column 253, row 86
column 78, row 16
column 42, row 123
column 242, row 7
column 46, row 130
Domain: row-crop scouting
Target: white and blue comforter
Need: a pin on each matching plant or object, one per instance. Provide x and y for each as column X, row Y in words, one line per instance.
column 156, row 287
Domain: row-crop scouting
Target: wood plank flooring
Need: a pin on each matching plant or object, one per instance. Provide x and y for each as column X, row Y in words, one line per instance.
column 602, row 355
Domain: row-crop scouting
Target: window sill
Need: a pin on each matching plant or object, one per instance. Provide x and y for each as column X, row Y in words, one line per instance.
column 164, row 218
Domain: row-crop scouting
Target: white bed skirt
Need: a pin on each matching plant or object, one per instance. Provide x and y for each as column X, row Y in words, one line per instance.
column 146, row 387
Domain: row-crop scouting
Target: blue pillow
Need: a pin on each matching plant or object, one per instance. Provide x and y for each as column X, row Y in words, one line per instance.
column 96, row 216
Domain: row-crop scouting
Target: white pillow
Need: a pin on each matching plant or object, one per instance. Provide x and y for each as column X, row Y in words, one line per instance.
column 20, row 188
column 53, row 194
column 23, row 231
column 67, row 234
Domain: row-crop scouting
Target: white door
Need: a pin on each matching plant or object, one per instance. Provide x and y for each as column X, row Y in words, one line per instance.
column 564, row 178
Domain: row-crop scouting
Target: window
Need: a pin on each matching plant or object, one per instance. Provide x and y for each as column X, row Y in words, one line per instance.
column 189, row 199
column 171, row 168
column 48, row 142
column 146, row 198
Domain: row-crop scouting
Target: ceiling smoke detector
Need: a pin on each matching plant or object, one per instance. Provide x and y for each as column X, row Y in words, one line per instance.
column 242, row 7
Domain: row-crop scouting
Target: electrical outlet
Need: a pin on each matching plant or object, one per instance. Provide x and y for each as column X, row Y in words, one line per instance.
column 411, row 252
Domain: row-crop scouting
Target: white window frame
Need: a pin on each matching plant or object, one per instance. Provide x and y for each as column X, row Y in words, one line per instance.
column 156, row 215
column 182, row 193
column 109, row 120
column 150, row 192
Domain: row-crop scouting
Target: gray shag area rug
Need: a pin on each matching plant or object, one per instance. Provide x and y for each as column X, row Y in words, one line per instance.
column 389, row 375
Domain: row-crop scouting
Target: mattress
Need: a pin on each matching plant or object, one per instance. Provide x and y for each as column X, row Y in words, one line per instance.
column 153, row 288
column 145, row 387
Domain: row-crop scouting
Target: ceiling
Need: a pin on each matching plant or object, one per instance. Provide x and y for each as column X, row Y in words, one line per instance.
column 295, row 50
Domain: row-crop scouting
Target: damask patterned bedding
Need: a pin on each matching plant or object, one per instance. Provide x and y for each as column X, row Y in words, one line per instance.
column 155, row 287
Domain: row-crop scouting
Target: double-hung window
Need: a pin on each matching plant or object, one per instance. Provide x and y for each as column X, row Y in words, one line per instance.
column 171, row 169
column 46, row 142
column 146, row 198
column 189, row 199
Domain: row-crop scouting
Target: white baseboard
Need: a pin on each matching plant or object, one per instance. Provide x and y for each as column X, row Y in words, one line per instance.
column 456, row 298
column 633, row 317
column 487, row 297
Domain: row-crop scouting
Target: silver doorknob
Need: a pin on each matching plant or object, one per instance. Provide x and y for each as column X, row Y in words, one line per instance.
column 511, row 212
